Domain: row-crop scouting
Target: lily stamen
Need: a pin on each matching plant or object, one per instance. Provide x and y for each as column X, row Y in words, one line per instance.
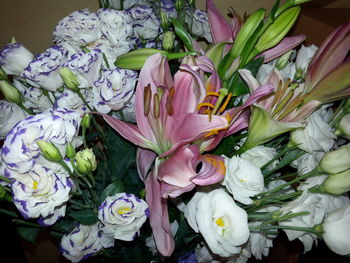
column 205, row 104
column 147, row 99
column 223, row 107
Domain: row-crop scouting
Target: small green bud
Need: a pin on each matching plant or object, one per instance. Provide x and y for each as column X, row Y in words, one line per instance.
column 336, row 161
column 168, row 40
column 10, row 92
column 337, row 184
column 3, row 75
column 85, row 121
column 86, row 161
column 282, row 61
column 70, row 151
column 179, row 5
column 2, row 192
column 49, row 150
column 164, row 21
column 278, row 29
column 69, row 78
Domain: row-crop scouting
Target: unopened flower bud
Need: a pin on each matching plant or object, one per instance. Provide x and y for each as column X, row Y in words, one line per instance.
column 343, row 128
column 282, row 61
column 337, row 184
column 179, row 5
column 10, row 92
column 86, row 161
column 336, row 161
column 2, row 192
column 49, row 150
column 164, row 21
column 70, row 151
column 85, row 121
column 168, row 40
column 69, row 78
column 278, row 29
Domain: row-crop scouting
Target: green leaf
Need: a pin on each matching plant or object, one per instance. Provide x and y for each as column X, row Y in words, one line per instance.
column 84, row 216
column 114, row 188
column 28, row 233
column 236, row 84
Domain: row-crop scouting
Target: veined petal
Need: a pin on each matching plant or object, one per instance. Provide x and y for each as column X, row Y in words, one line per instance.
column 191, row 127
column 249, row 79
column 283, row 47
column 130, row 132
column 212, row 171
column 220, row 29
column 159, row 218
column 179, row 168
column 144, row 160
column 155, row 72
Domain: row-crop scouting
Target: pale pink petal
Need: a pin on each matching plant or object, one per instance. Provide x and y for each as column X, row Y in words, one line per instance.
column 129, row 131
column 144, row 160
column 219, row 27
column 283, row 47
column 173, row 191
column 159, row 218
column 212, row 170
column 178, row 169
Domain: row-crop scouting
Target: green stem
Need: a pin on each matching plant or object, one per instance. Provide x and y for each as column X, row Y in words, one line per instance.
column 7, row 212
column 83, row 131
column 83, row 99
column 5, row 179
column 297, row 228
column 29, row 111
column 71, row 175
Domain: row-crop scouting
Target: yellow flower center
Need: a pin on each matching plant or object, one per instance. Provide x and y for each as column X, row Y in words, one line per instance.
column 123, row 210
column 220, row 222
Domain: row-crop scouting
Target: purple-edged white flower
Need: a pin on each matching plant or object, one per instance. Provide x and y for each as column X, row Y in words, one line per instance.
column 34, row 97
column 128, row 111
column 113, row 51
column 20, row 151
column 78, row 28
column 116, row 4
column 82, row 242
column 198, row 24
column 168, row 7
column 43, row 71
column 10, row 114
column 145, row 22
column 70, row 100
column 86, row 66
column 41, row 192
column 122, row 216
column 114, row 89
column 14, row 58
column 115, row 25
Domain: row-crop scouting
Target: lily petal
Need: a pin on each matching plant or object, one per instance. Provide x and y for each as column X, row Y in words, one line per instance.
column 144, row 160
column 283, row 47
column 212, row 171
column 220, row 29
column 159, row 218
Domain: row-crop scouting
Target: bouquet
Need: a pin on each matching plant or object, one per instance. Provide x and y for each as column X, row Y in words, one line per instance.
column 152, row 131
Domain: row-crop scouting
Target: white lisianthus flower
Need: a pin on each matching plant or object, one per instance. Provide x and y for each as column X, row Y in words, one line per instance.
column 223, row 224
column 10, row 114
column 316, row 136
column 307, row 162
column 14, row 58
column 114, row 89
column 306, row 202
column 34, row 97
column 336, row 230
column 86, row 66
column 41, row 192
column 203, row 254
column 116, row 4
column 243, row 179
column 20, row 151
column 303, row 59
column 128, row 111
column 78, row 28
column 71, row 100
column 82, row 242
column 116, row 25
column 260, row 155
column 336, row 161
column 43, row 71
column 111, row 52
column 198, row 24
column 122, row 216
column 145, row 22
